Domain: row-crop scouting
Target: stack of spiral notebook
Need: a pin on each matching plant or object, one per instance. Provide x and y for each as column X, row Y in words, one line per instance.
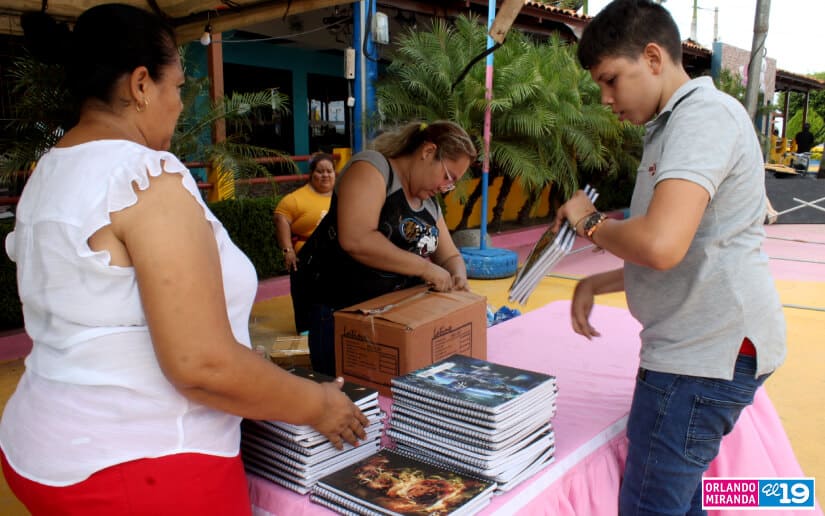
column 392, row 482
column 546, row 254
column 477, row 417
column 296, row 456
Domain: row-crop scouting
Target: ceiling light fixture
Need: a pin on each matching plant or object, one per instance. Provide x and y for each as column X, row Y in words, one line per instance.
column 206, row 37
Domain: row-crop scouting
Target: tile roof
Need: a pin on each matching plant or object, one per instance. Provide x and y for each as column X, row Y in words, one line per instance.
column 557, row 10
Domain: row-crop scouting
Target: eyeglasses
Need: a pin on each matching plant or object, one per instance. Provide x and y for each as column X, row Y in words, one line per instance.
column 450, row 186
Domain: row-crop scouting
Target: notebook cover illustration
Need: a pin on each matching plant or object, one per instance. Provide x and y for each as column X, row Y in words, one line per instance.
column 473, row 382
column 390, row 481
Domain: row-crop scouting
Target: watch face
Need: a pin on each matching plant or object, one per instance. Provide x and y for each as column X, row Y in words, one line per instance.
column 592, row 221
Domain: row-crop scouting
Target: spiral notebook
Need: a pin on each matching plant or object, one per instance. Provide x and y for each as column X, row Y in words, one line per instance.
column 475, row 416
column 525, row 412
column 461, row 438
column 304, row 477
column 296, row 456
column 479, row 429
column 476, row 387
column 310, row 438
column 546, row 254
column 309, row 448
column 259, row 452
column 334, row 507
column 470, row 460
column 505, row 478
column 392, row 482
column 366, row 398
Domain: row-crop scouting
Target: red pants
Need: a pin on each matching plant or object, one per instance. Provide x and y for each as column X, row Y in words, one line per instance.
column 179, row 485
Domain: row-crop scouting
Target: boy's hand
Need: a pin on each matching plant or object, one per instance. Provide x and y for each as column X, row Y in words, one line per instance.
column 581, row 307
column 574, row 211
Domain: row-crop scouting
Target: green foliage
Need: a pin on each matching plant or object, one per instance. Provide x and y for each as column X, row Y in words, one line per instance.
column 796, row 104
column 11, row 312
column 794, row 125
column 191, row 139
column 44, row 106
column 46, row 111
column 250, row 225
column 732, row 83
column 547, row 125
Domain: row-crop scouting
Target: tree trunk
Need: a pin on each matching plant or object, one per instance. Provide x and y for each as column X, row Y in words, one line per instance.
column 498, row 210
column 475, row 195
column 555, row 199
column 523, row 217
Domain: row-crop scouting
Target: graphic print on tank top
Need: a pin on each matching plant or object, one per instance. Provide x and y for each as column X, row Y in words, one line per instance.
column 413, row 231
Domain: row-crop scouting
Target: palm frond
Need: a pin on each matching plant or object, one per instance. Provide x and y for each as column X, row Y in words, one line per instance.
column 548, row 126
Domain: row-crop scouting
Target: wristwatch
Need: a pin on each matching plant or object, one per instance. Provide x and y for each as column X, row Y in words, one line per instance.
column 592, row 223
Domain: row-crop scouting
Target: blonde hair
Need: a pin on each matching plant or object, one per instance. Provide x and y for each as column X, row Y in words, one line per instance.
column 451, row 139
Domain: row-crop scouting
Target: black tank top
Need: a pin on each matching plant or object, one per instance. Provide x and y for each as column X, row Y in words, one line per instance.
column 329, row 276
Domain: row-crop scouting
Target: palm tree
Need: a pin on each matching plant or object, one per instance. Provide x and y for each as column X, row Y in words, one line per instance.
column 544, row 133
column 232, row 158
column 45, row 106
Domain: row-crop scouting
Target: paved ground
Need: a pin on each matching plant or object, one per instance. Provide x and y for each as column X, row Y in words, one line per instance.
column 797, row 389
column 783, row 188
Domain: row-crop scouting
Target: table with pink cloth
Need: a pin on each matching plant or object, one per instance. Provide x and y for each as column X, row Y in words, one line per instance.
column 595, row 380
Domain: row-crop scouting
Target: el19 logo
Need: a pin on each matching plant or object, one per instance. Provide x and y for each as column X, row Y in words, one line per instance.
column 786, row 492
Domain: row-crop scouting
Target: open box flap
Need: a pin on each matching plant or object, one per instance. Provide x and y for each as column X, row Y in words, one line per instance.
column 414, row 306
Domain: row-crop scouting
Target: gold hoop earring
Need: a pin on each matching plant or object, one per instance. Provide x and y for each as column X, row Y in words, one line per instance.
column 140, row 108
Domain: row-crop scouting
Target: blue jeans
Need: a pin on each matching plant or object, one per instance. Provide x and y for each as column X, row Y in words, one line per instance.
column 675, row 427
column 321, row 339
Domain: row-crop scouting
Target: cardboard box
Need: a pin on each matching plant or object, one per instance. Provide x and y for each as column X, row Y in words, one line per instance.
column 290, row 351
column 400, row 332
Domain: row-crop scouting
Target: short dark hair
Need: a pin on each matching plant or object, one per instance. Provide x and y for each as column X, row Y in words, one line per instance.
column 107, row 42
column 624, row 28
column 318, row 158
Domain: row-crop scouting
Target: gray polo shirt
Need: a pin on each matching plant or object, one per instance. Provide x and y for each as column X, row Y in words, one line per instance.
column 695, row 315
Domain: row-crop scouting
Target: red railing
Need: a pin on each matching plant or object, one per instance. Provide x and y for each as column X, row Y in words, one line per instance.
column 11, row 200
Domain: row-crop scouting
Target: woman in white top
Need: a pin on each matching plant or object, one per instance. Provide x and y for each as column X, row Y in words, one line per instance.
column 137, row 302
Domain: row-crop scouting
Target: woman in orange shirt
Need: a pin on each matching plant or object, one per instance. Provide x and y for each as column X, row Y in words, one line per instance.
column 297, row 216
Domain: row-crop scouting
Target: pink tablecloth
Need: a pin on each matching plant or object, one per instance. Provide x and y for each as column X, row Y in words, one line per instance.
column 595, row 381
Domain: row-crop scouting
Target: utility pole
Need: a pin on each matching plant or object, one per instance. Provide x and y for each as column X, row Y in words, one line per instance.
column 760, row 34
column 693, row 21
column 715, row 24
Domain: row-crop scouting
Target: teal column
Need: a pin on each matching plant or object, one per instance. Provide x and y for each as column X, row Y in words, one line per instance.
column 300, row 110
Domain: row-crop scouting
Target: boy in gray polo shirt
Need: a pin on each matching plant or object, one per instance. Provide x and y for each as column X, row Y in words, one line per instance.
column 694, row 273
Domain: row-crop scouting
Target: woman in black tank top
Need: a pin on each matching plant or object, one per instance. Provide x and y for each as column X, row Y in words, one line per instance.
column 385, row 230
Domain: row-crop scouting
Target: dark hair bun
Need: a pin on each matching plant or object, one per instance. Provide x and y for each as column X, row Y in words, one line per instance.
column 46, row 40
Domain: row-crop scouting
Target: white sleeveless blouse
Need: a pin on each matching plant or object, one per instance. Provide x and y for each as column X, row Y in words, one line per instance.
column 93, row 394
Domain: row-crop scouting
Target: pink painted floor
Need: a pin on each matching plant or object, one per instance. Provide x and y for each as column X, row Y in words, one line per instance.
column 796, row 252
